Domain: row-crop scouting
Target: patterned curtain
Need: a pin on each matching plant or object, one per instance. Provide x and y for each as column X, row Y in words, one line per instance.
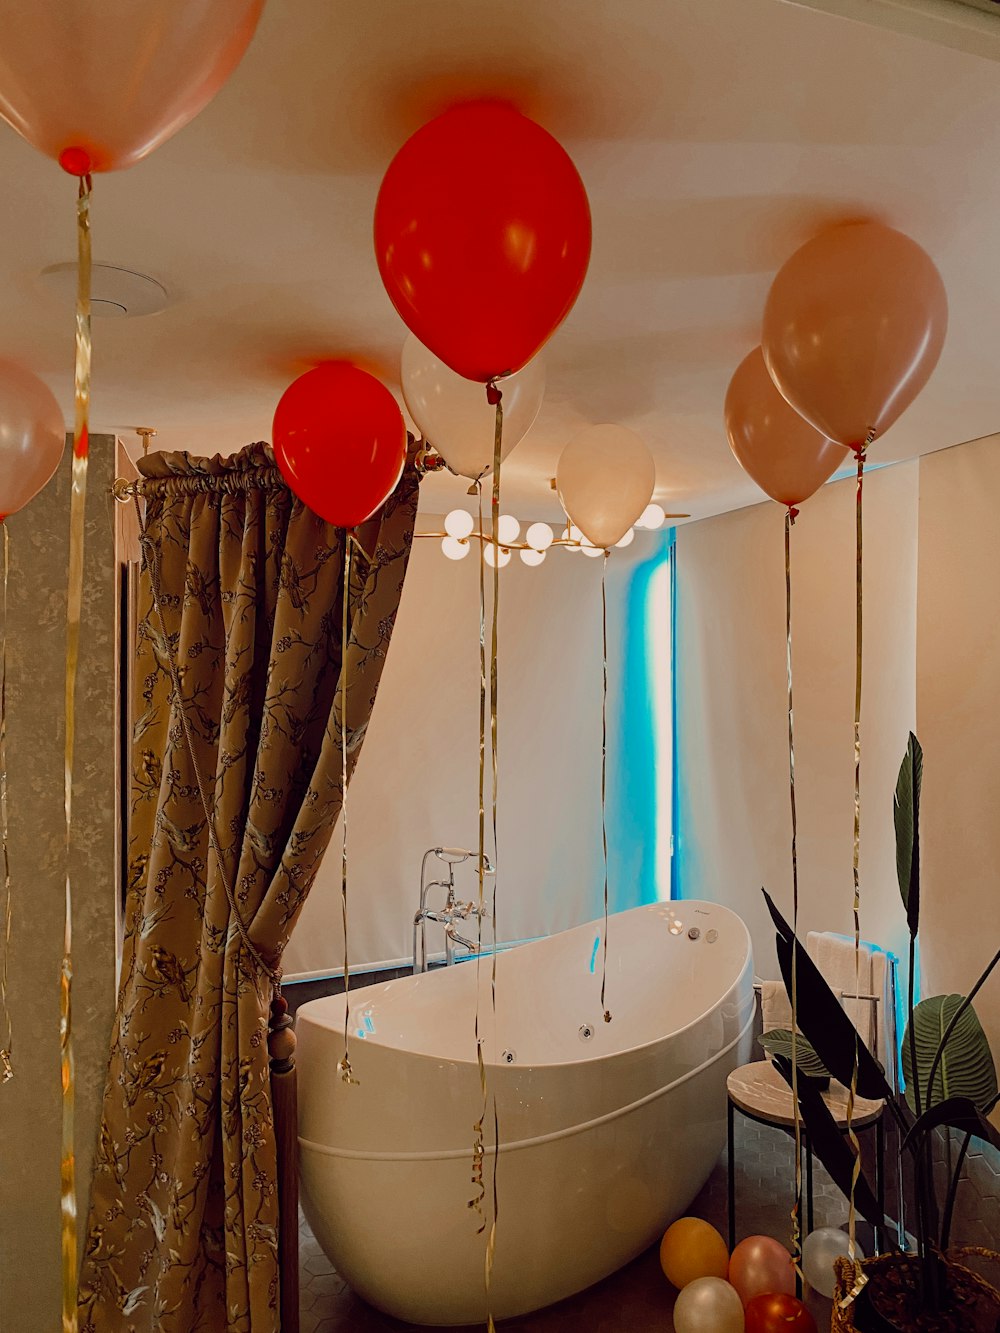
column 182, row 1234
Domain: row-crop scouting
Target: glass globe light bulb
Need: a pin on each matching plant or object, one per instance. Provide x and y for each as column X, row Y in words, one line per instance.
column 592, row 550
column 454, row 549
column 539, row 536
column 488, row 556
column 651, row 517
column 627, row 540
column 458, row 524
column 508, row 529
column 532, row 557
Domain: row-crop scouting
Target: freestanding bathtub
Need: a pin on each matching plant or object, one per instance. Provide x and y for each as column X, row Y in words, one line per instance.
column 607, row 1130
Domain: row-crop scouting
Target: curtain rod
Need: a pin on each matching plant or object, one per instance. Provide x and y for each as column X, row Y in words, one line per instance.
column 200, row 483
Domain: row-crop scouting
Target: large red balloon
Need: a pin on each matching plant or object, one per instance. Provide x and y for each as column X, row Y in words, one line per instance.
column 340, row 441
column 482, row 235
column 778, row 1313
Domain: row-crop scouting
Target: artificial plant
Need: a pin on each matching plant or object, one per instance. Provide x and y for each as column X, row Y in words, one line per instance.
column 949, row 1072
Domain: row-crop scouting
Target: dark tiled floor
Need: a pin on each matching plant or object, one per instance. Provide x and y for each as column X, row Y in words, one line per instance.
column 638, row 1297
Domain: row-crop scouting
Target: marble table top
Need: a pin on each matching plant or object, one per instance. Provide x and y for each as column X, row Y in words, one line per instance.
column 759, row 1090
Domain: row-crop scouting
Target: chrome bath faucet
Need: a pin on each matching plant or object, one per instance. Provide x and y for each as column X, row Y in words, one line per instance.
column 451, row 912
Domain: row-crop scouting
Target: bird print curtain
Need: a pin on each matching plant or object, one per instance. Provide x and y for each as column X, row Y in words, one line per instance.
column 182, row 1232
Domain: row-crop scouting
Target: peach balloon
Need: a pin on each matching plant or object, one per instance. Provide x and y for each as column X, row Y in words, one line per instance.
column 760, row 1266
column 693, row 1249
column 780, row 451
column 32, row 437
column 853, row 327
column 98, row 84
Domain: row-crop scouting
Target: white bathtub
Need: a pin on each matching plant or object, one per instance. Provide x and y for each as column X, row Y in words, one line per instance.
column 604, row 1138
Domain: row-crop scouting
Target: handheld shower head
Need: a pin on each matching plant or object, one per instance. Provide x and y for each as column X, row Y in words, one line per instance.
column 452, row 856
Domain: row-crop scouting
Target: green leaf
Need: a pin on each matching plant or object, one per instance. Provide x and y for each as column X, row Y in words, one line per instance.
column 957, row 1113
column 966, row 1068
column 779, row 1042
column 906, row 815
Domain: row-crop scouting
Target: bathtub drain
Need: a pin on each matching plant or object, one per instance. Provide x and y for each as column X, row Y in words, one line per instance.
column 508, row 1057
column 586, row 1032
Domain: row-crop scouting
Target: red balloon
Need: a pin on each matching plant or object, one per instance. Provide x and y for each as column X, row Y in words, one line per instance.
column 340, row 442
column 778, row 1313
column 482, row 235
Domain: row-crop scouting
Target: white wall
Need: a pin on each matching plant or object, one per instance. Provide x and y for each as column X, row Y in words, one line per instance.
column 416, row 784
column 734, row 821
column 958, row 658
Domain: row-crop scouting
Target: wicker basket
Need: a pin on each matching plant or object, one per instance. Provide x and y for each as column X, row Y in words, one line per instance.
column 963, row 1278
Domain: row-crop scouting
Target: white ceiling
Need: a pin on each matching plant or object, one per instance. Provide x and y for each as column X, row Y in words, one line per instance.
column 714, row 137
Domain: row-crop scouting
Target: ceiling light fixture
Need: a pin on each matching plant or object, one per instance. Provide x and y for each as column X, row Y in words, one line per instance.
column 460, row 532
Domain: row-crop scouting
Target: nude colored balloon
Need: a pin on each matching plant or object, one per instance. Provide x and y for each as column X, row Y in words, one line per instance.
column 452, row 414
column 853, row 327
column 708, row 1305
column 32, row 437
column 605, row 479
column 115, row 78
column 759, row 1266
column 787, row 458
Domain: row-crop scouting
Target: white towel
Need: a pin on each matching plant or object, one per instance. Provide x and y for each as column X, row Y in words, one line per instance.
column 834, row 956
column 775, row 1010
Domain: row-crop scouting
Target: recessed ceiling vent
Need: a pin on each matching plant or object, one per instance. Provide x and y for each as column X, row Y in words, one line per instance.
column 116, row 293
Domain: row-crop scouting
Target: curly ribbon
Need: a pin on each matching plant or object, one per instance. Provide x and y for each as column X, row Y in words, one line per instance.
column 74, row 605
column 604, row 770
column 346, row 1072
column 6, row 1050
column 494, row 397
column 478, row 1150
column 852, row 1217
column 796, row 1214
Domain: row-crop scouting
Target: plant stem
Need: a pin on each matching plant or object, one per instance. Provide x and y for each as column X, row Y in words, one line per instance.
column 914, row 1077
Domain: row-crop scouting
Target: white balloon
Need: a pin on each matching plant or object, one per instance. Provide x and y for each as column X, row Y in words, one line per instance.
column 605, row 478
column 820, row 1249
column 709, row 1305
column 453, row 415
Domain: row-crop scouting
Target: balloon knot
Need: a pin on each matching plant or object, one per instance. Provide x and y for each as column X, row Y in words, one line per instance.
column 793, row 513
column 493, row 394
column 76, row 161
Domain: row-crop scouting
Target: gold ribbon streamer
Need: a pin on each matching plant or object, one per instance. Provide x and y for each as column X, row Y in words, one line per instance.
column 478, row 1151
column 6, row 1050
column 852, row 1218
column 495, row 510
column 346, row 1072
column 74, row 605
column 604, row 769
column 796, row 1214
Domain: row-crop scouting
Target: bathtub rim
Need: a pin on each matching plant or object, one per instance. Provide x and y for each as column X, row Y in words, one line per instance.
column 520, row 1145
column 338, row 1028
